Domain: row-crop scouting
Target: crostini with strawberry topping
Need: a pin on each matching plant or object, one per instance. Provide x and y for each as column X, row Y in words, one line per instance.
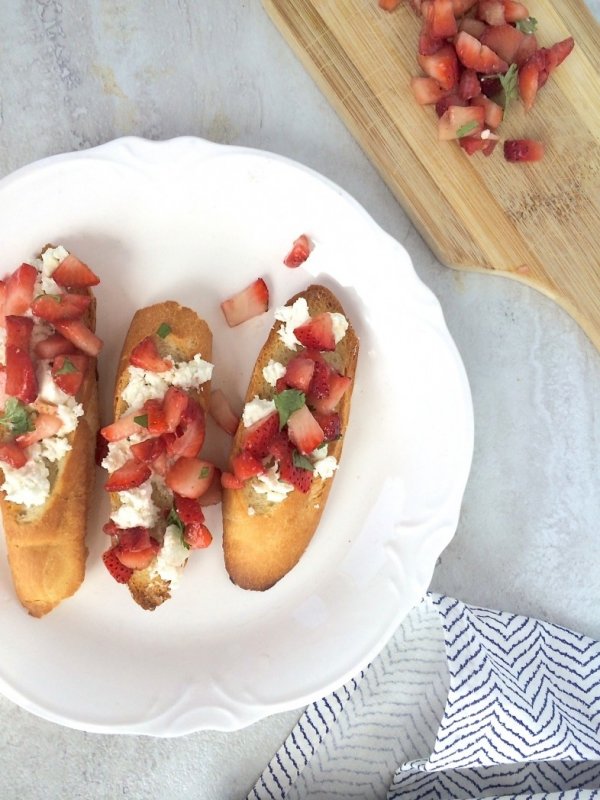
column 48, row 424
column 287, row 448
column 157, row 478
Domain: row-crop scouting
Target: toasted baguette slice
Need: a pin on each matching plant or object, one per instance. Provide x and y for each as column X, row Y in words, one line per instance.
column 46, row 544
column 263, row 540
column 189, row 335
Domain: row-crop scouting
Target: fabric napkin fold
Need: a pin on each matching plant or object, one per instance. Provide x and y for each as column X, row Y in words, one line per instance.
column 463, row 702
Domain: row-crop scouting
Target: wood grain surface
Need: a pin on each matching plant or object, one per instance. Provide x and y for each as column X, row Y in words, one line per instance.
column 539, row 223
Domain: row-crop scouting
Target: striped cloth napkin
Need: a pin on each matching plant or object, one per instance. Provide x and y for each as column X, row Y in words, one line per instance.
column 463, row 702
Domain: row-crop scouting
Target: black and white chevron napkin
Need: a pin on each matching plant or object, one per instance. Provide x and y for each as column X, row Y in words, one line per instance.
column 463, row 702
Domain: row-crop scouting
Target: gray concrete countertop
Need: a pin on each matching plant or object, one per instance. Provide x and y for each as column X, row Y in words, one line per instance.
column 76, row 73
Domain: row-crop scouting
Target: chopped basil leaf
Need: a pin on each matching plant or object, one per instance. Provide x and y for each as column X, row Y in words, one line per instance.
column 141, row 420
column 302, row 462
column 17, row 418
column 287, row 402
column 66, row 368
column 526, row 26
column 163, row 330
column 466, row 129
column 204, row 472
column 175, row 519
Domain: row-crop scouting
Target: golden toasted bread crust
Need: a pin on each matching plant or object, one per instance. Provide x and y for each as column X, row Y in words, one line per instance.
column 46, row 545
column 188, row 336
column 261, row 548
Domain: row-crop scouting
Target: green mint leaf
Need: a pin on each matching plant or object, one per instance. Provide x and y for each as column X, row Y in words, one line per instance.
column 67, row 368
column 302, row 462
column 466, row 129
column 163, row 330
column 510, row 84
column 17, row 418
column 527, row 26
column 141, row 420
column 287, row 402
column 175, row 519
column 204, row 472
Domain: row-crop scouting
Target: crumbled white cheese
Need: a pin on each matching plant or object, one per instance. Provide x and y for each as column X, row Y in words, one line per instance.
column 340, row 326
column 69, row 413
column 29, row 485
column 41, row 330
column 325, row 467
column 251, row 511
column 273, row 371
column 292, row 317
column 189, row 374
column 54, row 448
column 48, row 391
column 256, row 410
column 171, row 558
column 136, row 508
column 49, row 261
column 144, row 385
column 319, row 453
column 271, row 485
column 120, row 452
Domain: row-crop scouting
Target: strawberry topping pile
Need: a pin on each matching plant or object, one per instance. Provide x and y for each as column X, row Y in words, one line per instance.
column 42, row 317
column 162, row 438
column 478, row 56
column 305, row 415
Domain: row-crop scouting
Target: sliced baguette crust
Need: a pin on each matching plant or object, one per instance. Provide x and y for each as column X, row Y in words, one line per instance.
column 189, row 335
column 262, row 548
column 46, row 544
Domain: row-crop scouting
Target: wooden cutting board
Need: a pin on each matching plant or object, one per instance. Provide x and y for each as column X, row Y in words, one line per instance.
column 540, row 222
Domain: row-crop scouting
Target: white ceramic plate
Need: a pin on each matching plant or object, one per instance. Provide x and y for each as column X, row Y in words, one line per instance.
column 193, row 221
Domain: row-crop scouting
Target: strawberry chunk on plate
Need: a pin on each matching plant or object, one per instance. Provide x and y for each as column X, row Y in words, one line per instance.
column 74, row 274
column 338, row 385
column 523, row 150
column 145, row 355
column 459, row 121
column 258, row 437
column 474, row 55
column 442, row 66
column 229, row 481
column 117, row 569
column 299, row 372
column 505, row 40
column 148, row 450
column 54, row 345
column 57, row 307
column 81, row 336
column 13, row 455
column 246, row 466
column 222, row 413
column 190, row 477
column 442, row 24
column 175, row 403
column 44, row 425
column 68, row 372
column 427, row 91
column 137, row 559
column 304, row 430
column 188, row 509
column 18, row 331
column 197, row 536
column 122, row 428
column 19, row 289
column 21, row 377
column 250, row 302
column 300, row 478
column 300, row 251
column 317, row 332
column 131, row 475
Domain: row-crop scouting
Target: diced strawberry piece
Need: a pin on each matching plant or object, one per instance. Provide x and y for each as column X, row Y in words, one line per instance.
column 443, row 22
column 122, row 428
column 475, row 144
column 19, row 289
column 458, row 121
column 331, row 425
column 558, row 52
column 2, row 303
column 450, row 100
column 258, row 437
column 338, row 385
column 491, row 87
column 58, row 307
column 319, row 385
column 428, row 45
column 149, row 450
column 44, row 425
column 146, row 356
column 197, row 536
column 190, row 433
column 119, row 571
column 469, row 85
column 245, row 466
column 443, row 66
column 54, row 345
column 190, row 477
column 526, row 49
column 280, row 447
column 154, row 411
column 477, row 56
column 491, row 11
column 304, row 430
column 504, row 40
column 101, row 449
column 81, row 336
column 74, row 274
column 250, row 302
column 161, row 463
column 133, row 539
column 280, row 385
column 473, row 26
column 299, row 372
column 13, row 455
column 222, row 413
column 132, row 474
column 111, row 528
column 68, row 372
column 300, row 478
column 529, row 78
column 214, row 493
column 460, row 7
column 18, row 331
column 427, row 91
column 389, row 5
column 137, row 559
column 175, row 403
column 229, row 481
column 493, row 113
column 299, row 253
column 188, row 509
column 513, row 11
column 523, row 150
column 317, row 332
column 21, row 378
